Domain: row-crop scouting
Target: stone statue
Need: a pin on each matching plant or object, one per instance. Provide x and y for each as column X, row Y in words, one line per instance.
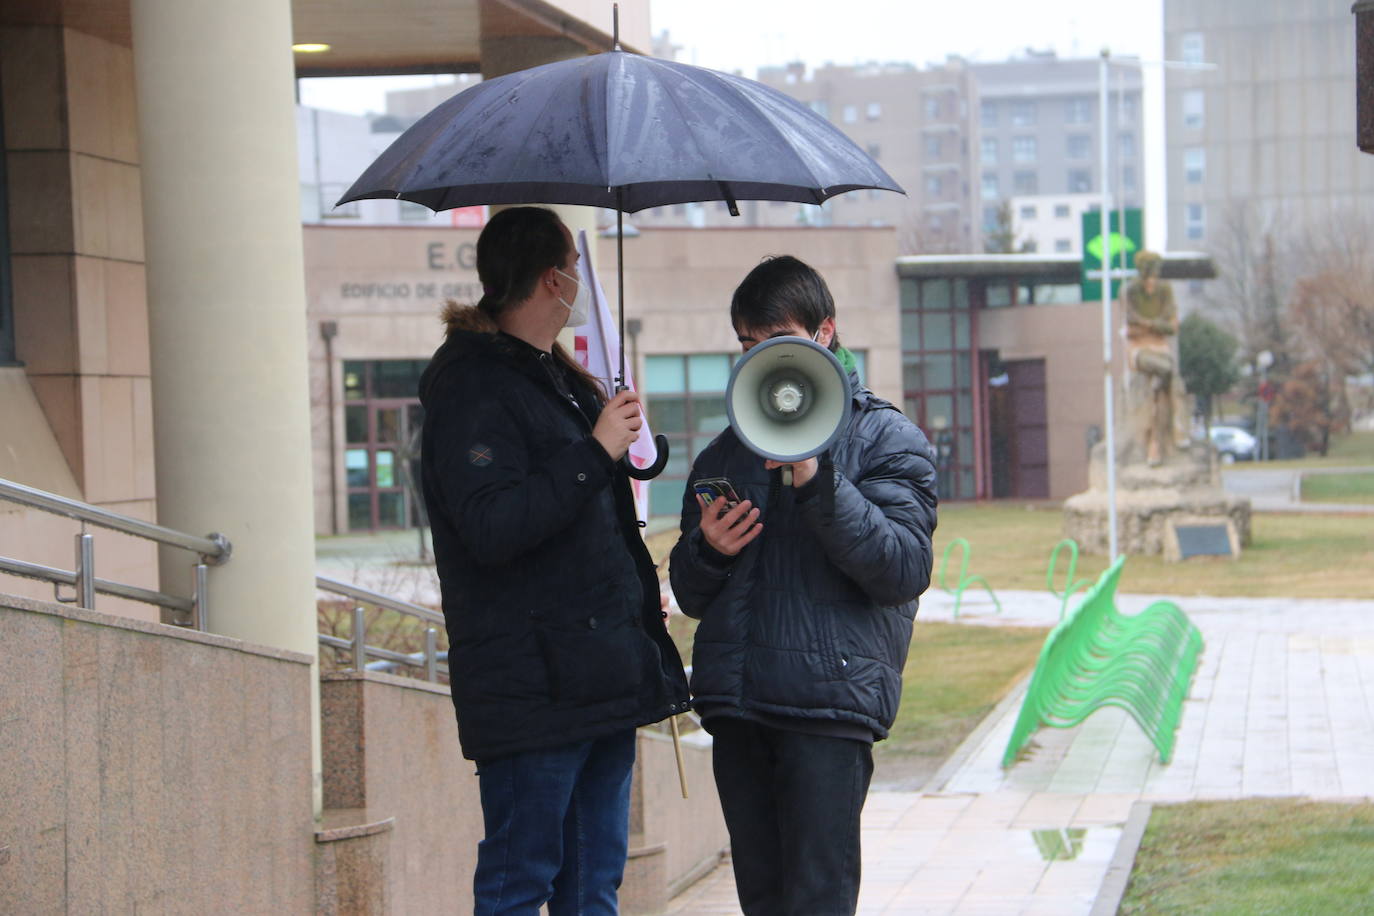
column 1157, row 414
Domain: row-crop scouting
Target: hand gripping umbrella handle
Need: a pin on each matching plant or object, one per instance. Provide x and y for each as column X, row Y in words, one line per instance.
column 653, row 470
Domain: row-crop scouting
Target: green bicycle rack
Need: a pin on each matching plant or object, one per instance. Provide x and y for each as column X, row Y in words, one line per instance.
column 965, row 580
column 1098, row 657
column 1071, row 584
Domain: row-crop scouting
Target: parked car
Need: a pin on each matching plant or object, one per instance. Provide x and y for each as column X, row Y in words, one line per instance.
column 1234, row 444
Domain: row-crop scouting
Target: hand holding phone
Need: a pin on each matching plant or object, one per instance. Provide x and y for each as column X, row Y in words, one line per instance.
column 732, row 522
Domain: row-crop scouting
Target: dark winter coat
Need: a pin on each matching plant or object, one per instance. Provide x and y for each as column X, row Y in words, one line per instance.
column 812, row 620
column 550, row 598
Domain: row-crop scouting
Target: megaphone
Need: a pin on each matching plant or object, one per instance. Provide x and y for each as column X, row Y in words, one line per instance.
column 788, row 399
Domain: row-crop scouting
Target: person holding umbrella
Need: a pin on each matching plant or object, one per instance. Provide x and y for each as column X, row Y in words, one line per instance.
column 806, row 596
column 558, row 649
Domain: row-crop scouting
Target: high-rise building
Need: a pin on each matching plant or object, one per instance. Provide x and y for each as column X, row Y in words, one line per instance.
column 1261, row 145
column 1039, row 121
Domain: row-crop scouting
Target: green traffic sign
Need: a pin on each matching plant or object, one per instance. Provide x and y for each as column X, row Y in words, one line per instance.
column 1121, row 246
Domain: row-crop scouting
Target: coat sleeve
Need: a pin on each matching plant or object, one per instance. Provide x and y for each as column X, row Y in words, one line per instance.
column 500, row 501
column 880, row 532
column 695, row 570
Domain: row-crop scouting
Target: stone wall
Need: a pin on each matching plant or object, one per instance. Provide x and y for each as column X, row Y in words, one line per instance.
column 145, row 768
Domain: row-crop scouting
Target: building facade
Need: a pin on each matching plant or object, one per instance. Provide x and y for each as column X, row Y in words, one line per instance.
column 1261, row 144
column 1040, row 128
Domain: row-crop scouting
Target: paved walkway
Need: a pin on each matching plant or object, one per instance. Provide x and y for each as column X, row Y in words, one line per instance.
column 1282, row 704
column 1280, row 490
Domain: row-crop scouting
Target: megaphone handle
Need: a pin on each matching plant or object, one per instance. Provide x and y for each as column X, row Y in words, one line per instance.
column 786, row 475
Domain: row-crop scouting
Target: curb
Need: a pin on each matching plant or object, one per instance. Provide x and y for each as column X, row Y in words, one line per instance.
column 970, row 745
column 1123, row 860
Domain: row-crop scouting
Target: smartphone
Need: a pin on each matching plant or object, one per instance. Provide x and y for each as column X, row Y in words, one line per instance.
column 711, row 489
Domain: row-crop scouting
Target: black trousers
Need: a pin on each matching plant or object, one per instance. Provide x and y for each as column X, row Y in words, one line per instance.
column 792, row 803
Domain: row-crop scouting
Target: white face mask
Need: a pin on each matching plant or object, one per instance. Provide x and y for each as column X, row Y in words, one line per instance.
column 579, row 310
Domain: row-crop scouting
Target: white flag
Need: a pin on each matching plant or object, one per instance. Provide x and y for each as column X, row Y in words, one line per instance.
column 598, row 350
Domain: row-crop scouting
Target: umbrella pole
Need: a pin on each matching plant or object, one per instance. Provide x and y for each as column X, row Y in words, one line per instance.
column 620, row 281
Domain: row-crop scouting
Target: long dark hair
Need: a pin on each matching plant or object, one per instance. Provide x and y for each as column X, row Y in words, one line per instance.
column 514, row 250
column 782, row 290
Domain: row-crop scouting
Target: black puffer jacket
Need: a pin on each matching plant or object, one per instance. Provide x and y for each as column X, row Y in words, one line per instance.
column 813, row 619
column 550, row 598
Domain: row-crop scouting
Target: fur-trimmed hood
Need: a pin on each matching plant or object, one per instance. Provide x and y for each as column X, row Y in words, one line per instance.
column 466, row 318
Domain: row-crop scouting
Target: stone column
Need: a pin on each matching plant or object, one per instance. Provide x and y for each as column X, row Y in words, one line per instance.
column 227, row 317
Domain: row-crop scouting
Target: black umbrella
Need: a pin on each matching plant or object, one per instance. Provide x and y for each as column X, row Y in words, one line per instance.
column 624, row 132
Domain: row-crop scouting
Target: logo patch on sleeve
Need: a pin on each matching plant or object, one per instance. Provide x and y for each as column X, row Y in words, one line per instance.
column 480, row 455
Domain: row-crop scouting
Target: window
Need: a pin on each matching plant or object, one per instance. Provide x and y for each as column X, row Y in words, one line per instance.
column 935, row 148
column 1027, row 212
column 1129, row 106
column 1063, row 245
column 851, row 114
column 1078, row 111
column 1194, row 109
column 1195, row 222
column 1025, row 182
column 1128, row 178
column 1125, row 144
column 934, row 186
column 1061, row 211
column 1080, row 181
column 874, row 111
column 415, row 212
column 1079, row 146
column 992, row 216
column 1022, row 114
column 1194, row 165
column 1024, row 149
column 1190, row 48
column 821, row 107
column 382, row 418
column 987, row 114
column 685, row 396
column 988, row 151
column 990, row 189
column 932, row 108
column 875, row 151
column 332, row 192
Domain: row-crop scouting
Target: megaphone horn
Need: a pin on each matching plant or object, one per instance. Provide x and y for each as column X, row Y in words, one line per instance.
column 788, row 399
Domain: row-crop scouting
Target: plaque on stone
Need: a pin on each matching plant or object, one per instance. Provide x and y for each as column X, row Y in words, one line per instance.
column 1202, row 538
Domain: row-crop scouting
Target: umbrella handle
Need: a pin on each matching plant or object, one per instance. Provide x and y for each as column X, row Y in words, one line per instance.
column 653, row 470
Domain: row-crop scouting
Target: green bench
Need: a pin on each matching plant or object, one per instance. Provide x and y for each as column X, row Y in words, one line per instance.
column 1098, row 657
column 965, row 580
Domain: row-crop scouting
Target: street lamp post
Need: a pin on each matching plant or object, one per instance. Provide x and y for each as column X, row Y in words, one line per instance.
column 1264, row 359
column 1108, row 274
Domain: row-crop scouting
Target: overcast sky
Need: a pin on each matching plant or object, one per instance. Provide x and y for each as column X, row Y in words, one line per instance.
column 747, row 34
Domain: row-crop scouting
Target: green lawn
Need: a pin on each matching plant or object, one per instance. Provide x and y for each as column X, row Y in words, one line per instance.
column 1339, row 488
column 1346, row 451
column 955, row 675
column 1301, row 556
column 1255, row 857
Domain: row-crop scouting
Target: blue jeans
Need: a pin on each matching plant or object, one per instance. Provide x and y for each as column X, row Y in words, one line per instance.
column 557, row 824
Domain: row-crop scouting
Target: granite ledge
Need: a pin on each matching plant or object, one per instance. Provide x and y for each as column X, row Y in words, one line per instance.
column 348, row 823
column 95, row 618
column 391, row 680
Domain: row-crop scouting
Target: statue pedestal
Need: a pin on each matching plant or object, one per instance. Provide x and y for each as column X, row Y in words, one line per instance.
column 1184, row 489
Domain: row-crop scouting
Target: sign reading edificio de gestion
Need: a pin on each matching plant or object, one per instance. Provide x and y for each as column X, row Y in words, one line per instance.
column 439, row 256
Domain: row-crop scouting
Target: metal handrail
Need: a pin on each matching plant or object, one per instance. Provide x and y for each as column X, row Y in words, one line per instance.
column 357, row 645
column 213, row 550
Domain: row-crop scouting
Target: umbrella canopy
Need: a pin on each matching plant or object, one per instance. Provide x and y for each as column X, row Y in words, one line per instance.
column 619, row 131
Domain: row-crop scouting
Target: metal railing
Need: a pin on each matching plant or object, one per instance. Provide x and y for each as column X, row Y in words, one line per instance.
column 431, row 659
column 212, row 550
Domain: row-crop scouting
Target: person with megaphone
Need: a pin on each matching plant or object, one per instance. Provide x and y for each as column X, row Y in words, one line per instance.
column 558, row 649
column 805, row 542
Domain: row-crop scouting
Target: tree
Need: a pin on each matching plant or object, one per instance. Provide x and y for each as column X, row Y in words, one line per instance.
column 1206, row 361
column 1308, row 405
